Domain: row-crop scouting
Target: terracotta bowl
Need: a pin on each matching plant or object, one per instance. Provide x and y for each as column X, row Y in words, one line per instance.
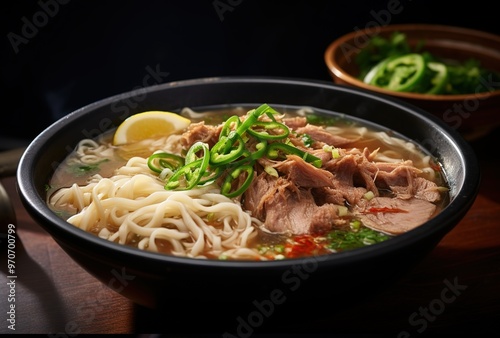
column 473, row 115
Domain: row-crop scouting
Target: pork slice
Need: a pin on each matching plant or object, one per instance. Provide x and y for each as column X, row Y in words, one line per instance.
column 391, row 166
column 426, row 190
column 295, row 122
column 324, row 195
column 399, row 181
column 286, row 208
column 323, row 136
column 295, row 211
column 344, row 171
column 403, row 180
column 304, row 174
column 323, row 155
column 367, row 172
column 262, row 188
column 200, row 132
column 394, row 216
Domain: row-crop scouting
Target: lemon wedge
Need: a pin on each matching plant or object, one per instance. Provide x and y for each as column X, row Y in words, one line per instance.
column 149, row 124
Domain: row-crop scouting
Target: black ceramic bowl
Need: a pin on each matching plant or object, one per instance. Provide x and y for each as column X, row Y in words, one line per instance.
column 152, row 279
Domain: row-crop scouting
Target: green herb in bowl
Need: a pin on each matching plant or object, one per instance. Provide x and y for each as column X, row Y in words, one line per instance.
column 391, row 63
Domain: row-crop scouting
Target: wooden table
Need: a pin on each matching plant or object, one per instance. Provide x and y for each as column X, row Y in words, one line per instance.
column 456, row 288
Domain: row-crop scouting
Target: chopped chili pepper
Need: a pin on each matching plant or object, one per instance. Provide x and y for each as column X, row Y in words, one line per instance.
column 232, row 155
column 193, row 170
column 224, row 151
column 440, row 79
column 263, row 134
column 274, row 149
column 226, row 128
column 165, row 160
column 401, row 74
column 227, row 188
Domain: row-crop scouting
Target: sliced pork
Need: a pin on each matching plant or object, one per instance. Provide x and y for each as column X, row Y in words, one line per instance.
column 200, row 132
column 401, row 178
column 321, row 136
column 306, row 200
column 286, row 208
column 394, row 216
column 295, row 122
column 304, row 174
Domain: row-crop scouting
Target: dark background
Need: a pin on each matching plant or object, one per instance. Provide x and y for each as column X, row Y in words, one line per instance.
column 83, row 51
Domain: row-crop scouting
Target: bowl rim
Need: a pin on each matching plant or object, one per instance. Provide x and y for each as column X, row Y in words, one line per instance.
column 38, row 209
column 335, row 68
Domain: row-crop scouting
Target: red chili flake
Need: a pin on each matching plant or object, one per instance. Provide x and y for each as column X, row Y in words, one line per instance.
column 386, row 209
column 302, row 245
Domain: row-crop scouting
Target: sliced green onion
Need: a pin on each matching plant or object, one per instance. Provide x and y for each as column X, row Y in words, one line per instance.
column 343, row 211
column 368, row 195
column 307, row 140
column 335, row 151
column 355, row 225
column 271, row 171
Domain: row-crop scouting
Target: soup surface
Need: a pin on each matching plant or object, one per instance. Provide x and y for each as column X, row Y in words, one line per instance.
column 254, row 183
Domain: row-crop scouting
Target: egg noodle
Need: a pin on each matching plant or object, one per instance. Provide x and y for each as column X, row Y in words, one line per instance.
column 132, row 205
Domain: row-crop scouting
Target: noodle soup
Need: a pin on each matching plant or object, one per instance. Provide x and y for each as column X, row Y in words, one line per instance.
column 303, row 184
